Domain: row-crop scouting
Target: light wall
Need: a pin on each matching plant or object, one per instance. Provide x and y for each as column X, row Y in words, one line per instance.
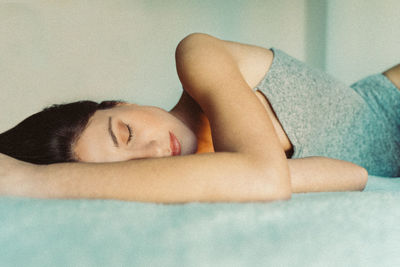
column 62, row 51
column 363, row 37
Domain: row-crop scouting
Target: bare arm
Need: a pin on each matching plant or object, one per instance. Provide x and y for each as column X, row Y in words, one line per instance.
column 320, row 174
column 249, row 164
column 311, row 174
column 73, row 180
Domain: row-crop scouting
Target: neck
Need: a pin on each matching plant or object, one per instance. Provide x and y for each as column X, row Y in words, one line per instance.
column 189, row 112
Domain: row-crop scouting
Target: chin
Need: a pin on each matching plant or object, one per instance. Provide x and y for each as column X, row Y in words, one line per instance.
column 188, row 144
column 193, row 150
column 189, row 149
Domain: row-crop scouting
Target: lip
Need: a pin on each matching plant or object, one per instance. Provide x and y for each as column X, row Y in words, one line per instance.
column 174, row 144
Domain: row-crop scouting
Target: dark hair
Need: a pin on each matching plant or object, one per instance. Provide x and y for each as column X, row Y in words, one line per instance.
column 47, row 136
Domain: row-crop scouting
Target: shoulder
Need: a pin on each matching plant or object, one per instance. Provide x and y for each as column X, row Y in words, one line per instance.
column 253, row 61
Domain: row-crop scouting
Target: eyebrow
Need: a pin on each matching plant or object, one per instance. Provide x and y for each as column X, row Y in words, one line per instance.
column 114, row 139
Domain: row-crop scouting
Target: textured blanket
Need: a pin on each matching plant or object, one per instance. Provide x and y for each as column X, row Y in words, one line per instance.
column 314, row 229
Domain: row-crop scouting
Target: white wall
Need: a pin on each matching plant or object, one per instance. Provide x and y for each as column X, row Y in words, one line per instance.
column 62, row 51
column 363, row 37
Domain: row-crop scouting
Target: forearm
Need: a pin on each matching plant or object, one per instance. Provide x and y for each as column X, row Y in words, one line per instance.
column 321, row 174
column 141, row 180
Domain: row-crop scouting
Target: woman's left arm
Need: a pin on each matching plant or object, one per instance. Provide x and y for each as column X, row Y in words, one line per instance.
column 322, row 174
column 311, row 174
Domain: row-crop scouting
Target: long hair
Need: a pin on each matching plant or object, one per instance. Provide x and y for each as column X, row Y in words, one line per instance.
column 47, row 137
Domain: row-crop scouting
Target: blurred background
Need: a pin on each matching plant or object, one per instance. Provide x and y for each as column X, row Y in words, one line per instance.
column 62, row 51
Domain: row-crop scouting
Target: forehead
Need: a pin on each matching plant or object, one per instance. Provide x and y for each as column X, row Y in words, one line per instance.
column 101, row 116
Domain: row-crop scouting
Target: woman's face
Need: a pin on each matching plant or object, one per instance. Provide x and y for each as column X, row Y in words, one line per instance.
column 130, row 131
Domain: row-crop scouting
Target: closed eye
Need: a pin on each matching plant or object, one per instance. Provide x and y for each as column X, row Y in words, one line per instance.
column 130, row 133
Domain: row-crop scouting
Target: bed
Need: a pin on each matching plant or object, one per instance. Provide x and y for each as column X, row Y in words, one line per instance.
column 313, row 229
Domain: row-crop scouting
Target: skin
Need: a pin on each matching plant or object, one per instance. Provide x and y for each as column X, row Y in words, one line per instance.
column 254, row 164
column 150, row 127
column 150, row 134
column 393, row 74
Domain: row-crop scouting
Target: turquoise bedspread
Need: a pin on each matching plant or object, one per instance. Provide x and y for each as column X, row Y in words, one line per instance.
column 314, row 229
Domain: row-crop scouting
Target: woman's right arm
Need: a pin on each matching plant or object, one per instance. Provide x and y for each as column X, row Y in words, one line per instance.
column 210, row 177
column 203, row 177
column 248, row 164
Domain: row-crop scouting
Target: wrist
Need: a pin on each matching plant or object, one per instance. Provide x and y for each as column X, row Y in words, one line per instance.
column 17, row 178
column 39, row 183
column 27, row 181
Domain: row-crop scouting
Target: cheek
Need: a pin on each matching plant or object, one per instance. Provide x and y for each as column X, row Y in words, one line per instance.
column 98, row 156
column 89, row 154
column 93, row 150
column 163, row 122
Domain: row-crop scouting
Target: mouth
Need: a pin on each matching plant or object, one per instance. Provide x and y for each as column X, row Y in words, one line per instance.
column 175, row 145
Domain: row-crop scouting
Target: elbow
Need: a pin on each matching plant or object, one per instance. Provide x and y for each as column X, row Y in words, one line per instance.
column 283, row 192
column 363, row 178
column 357, row 178
column 282, row 182
column 279, row 185
column 273, row 179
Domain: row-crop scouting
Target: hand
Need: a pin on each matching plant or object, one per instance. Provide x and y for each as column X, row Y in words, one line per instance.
column 15, row 176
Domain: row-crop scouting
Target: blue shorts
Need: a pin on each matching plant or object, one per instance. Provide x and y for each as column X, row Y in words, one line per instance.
column 325, row 117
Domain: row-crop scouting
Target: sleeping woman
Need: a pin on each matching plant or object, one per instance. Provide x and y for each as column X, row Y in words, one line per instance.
column 252, row 124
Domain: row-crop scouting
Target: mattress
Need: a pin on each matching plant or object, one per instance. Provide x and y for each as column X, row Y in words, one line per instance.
column 311, row 229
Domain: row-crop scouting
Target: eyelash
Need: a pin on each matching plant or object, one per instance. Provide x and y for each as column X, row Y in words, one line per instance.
column 130, row 132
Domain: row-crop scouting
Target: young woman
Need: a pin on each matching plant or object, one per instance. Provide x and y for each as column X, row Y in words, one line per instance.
column 253, row 124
